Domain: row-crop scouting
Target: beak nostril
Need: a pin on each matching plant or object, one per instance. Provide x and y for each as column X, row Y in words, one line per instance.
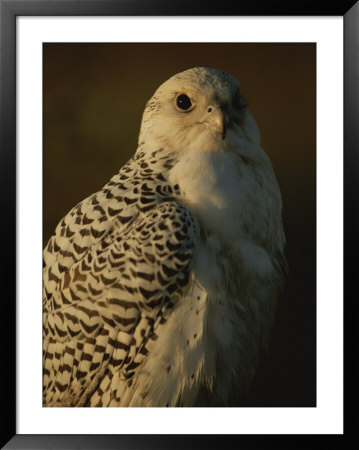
column 209, row 109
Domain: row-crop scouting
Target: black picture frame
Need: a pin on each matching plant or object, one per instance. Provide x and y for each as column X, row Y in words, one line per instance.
column 9, row 10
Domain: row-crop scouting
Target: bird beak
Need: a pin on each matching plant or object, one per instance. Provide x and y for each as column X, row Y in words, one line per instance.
column 216, row 118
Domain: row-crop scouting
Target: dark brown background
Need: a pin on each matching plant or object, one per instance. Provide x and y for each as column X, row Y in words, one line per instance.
column 94, row 96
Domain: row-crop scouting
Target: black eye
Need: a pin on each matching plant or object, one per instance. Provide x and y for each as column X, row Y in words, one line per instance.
column 238, row 101
column 183, row 102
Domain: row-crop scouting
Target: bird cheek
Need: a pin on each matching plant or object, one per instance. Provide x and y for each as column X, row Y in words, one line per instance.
column 237, row 118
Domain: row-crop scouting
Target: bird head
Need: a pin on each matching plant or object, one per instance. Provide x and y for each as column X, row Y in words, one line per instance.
column 200, row 109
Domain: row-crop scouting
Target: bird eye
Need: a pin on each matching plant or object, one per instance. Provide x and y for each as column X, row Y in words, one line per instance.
column 183, row 102
column 238, row 101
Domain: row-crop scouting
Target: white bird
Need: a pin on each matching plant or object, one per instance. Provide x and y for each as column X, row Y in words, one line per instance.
column 160, row 289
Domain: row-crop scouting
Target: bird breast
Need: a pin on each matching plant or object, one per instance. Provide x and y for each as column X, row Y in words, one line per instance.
column 230, row 196
column 238, row 206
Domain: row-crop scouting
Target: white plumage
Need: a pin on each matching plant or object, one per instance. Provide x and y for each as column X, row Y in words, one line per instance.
column 160, row 289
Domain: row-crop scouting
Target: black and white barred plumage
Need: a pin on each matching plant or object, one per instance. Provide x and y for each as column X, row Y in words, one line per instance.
column 160, row 289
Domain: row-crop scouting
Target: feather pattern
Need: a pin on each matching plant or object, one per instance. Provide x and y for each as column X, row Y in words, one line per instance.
column 160, row 289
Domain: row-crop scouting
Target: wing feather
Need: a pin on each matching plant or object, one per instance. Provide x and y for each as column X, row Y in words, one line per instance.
column 121, row 285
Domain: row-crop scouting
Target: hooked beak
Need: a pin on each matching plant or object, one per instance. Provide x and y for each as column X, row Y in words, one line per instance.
column 217, row 119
